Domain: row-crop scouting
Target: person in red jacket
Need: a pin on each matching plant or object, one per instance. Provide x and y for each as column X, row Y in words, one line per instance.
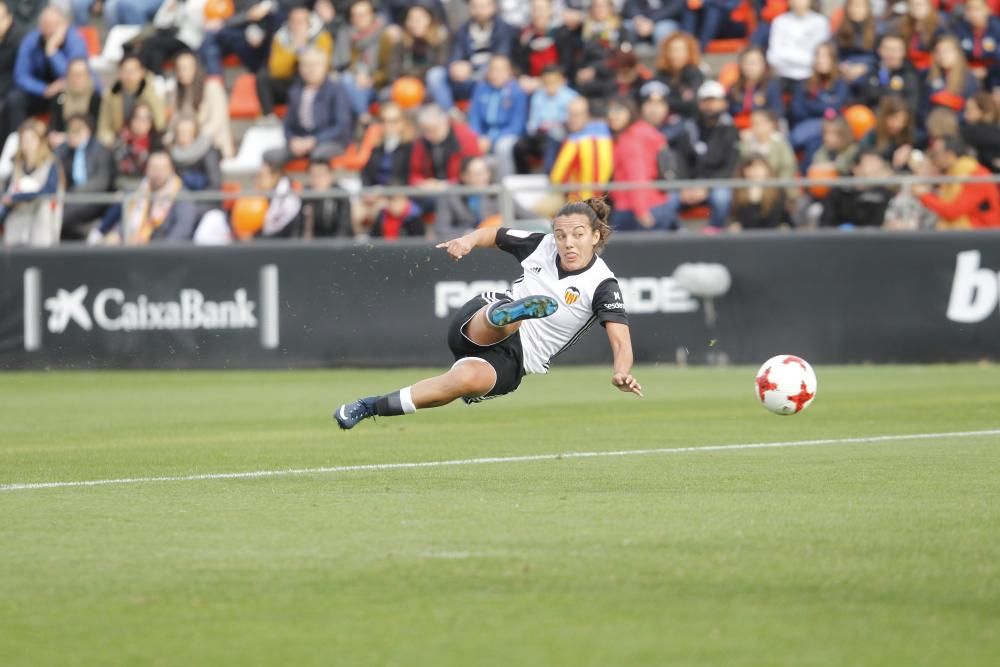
column 438, row 153
column 636, row 146
column 960, row 205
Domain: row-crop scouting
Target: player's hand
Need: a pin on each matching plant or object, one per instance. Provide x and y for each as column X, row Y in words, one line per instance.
column 625, row 382
column 457, row 248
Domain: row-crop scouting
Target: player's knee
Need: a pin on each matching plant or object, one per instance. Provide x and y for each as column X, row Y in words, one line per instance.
column 473, row 378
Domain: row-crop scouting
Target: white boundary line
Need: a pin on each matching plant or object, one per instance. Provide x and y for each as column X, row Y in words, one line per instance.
column 374, row 467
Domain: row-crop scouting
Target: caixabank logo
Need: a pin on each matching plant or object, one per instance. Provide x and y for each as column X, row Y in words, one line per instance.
column 80, row 310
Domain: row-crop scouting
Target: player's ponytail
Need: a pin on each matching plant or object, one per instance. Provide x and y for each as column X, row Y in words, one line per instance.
column 597, row 211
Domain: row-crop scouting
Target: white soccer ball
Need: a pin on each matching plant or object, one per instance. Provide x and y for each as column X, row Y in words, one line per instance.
column 785, row 385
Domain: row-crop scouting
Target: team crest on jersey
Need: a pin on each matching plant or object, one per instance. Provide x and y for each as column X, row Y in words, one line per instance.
column 572, row 296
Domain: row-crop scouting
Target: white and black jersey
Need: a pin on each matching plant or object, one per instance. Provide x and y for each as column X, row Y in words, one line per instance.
column 585, row 296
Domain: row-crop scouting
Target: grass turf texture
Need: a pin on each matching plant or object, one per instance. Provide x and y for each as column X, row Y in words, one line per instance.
column 875, row 554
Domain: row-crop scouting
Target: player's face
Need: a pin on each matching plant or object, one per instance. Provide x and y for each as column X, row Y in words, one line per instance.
column 575, row 241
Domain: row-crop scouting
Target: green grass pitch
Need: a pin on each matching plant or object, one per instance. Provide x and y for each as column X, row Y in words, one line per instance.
column 877, row 553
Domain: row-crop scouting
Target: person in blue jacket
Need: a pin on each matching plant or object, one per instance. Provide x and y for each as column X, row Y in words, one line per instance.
column 498, row 113
column 978, row 34
column 40, row 68
column 819, row 97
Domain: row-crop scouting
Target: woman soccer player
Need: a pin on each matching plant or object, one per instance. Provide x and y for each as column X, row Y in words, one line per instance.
column 497, row 338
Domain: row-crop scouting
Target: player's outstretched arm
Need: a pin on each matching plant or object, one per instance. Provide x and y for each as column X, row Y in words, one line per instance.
column 621, row 349
column 485, row 237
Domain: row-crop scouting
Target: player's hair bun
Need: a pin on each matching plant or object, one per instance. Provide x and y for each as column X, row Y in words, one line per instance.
column 600, row 207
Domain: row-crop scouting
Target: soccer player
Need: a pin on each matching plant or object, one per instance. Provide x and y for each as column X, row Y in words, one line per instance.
column 497, row 338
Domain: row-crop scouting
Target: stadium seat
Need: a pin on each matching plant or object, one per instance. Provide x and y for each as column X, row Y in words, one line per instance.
column 243, row 102
column 7, row 155
column 92, row 39
column 527, row 189
column 356, row 156
column 114, row 44
column 836, row 19
column 298, row 166
column 729, row 74
column 257, row 141
column 230, row 187
column 696, row 213
column 744, row 14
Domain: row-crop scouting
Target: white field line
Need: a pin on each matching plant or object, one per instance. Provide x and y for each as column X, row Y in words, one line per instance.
column 375, row 467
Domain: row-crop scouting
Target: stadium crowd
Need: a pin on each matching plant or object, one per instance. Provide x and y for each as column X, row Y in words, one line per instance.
column 428, row 93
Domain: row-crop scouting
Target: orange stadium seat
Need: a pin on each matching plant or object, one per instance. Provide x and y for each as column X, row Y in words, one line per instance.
column 356, row 156
column 243, row 102
column 729, row 74
column 742, row 14
column 92, row 38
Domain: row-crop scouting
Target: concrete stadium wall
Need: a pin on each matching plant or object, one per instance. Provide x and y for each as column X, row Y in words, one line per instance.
column 831, row 297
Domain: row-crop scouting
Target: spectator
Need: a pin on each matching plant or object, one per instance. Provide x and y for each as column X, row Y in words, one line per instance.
column 860, row 205
column 960, row 205
column 303, row 30
column 982, row 130
column 80, row 97
column 891, row 75
column 318, row 125
column 587, row 154
column 628, row 75
column 708, row 19
column 28, row 216
column 765, row 139
column 820, row 96
column 514, row 13
column 979, row 34
column 457, row 214
column 856, row 39
column 546, row 126
column 246, row 34
column 284, row 210
column 598, row 34
column 154, row 212
column 949, row 81
column 542, row 44
column 754, row 89
column 678, row 66
column 135, row 86
column 136, row 142
column 482, row 35
column 328, row 217
column 839, row 147
column 705, row 151
column 895, row 132
column 361, row 55
column 757, row 206
column 397, row 10
column 89, row 168
column 794, row 38
column 656, row 111
column 43, row 56
column 196, row 160
column 440, row 149
column 388, row 163
column 651, row 21
column 10, row 39
column 941, row 122
column 205, row 98
column 920, row 28
column 397, row 218
column 127, row 12
column 636, row 147
column 179, row 26
column 498, row 113
column 423, row 45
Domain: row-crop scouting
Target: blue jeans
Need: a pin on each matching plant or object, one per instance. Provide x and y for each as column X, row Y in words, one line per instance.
column 360, row 98
column 218, row 45
column 807, row 136
column 719, row 201
column 127, row 12
column 81, row 11
column 664, row 218
column 661, row 30
column 444, row 91
column 711, row 21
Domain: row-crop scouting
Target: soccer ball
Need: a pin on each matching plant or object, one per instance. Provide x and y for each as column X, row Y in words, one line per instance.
column 785, row 384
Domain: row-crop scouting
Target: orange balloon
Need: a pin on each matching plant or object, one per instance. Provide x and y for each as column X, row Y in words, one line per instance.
column 219, row 10
column 248, row 216
column 407, row 92
column 823, row 170
column 860, row 118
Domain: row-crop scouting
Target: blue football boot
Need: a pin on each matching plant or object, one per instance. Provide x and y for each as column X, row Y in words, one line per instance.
column 533, row 307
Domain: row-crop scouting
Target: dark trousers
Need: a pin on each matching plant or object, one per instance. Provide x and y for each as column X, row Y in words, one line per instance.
column 271, row 91
column 18, row 106
column 77, row 218
column 218, row 45
column 535, row 147
column 159, row 48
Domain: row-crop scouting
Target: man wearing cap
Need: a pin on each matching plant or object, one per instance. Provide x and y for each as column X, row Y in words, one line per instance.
column 708, row 149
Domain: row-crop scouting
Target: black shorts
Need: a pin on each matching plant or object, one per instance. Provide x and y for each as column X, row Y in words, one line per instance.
column 506, row 357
